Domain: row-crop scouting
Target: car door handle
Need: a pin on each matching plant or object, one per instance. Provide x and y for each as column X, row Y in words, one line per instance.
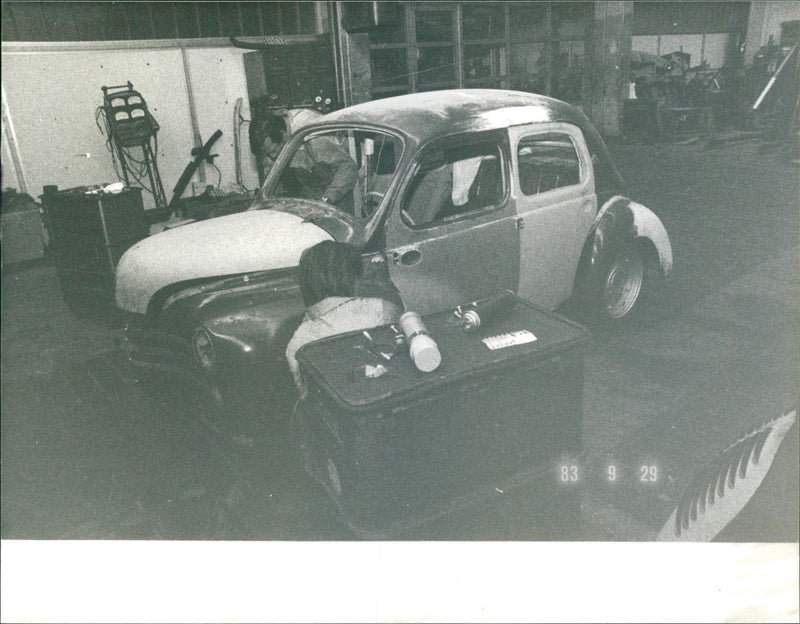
column 408, row 257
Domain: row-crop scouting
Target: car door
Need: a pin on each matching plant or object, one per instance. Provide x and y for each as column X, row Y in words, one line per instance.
column 451, row 237
column 556, row 206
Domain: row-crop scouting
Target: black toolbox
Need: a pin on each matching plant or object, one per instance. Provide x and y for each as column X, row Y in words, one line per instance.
column 89, row 233
column 406, row 447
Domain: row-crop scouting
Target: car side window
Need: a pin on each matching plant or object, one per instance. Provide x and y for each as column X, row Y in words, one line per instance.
column 546, row 162
column 452, row 182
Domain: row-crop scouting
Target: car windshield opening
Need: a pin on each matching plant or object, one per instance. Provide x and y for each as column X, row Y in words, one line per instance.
column 347, row 169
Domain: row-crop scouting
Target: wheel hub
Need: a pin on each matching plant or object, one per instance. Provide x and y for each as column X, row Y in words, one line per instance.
column 623, row 284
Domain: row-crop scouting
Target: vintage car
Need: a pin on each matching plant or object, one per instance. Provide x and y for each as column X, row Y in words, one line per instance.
column 460, row 194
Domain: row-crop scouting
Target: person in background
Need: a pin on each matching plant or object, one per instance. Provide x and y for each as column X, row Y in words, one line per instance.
column 321, row 168
column 266, row 138
column 339, row 297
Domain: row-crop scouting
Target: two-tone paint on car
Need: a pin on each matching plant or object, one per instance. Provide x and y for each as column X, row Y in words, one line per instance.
column 461, row 193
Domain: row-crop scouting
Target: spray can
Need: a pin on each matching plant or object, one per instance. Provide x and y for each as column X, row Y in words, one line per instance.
column 421, row 347
column 482, row 311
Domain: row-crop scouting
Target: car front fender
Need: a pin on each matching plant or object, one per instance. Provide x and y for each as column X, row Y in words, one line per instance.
column 235, row 328
column 256, row 335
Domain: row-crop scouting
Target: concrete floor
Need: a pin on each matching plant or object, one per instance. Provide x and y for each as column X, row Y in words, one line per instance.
column 88, row 452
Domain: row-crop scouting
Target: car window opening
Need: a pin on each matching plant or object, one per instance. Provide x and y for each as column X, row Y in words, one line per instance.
column 349, row 169
column 547, row 162
column 451, row 183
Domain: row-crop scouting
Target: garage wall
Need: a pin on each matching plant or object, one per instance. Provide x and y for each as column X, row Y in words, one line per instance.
column 54, row 90
column 9, row 171
column 218, row 79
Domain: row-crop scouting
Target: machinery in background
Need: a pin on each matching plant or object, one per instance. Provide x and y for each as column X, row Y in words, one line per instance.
column 670, row 98
column 201, row 154
column 132, row 139
column 286, row 75
column 213, row 201
column 283, row 74
column 774, row 82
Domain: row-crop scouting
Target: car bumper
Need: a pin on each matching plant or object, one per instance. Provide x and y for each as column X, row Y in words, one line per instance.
column 231, row 385
column 161, row 352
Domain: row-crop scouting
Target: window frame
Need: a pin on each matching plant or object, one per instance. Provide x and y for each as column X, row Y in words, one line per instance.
column 304, row 135
column 498, row 140
column 501, row 46
column 582, row 166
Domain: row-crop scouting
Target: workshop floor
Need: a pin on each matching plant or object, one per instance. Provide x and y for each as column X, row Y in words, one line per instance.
column 88, row 452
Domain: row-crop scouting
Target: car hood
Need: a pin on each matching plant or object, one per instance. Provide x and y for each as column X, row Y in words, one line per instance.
column 255, row 240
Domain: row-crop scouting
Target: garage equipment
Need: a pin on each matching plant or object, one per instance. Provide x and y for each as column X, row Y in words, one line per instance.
column 133, row 139
column 90, row 232
column 20, row 228
column 671, row 97
column 200, row 154
column 404, row 447
column 211, row 203
column 289, row 73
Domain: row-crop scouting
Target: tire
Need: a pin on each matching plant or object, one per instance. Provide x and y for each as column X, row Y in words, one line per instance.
column 619, row 285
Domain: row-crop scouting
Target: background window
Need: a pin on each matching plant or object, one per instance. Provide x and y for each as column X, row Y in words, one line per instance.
column 547, row 162
column 540, row 47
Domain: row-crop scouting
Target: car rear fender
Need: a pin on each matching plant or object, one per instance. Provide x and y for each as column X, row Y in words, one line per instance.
column 620, row 221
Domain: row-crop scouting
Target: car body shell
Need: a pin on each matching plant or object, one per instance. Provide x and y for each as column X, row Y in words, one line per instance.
column 232, row 279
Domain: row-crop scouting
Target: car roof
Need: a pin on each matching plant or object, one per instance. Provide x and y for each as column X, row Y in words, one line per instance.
column 428, row 115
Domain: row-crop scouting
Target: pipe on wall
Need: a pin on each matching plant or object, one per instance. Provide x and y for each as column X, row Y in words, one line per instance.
column 198, row 139
column 11, row 135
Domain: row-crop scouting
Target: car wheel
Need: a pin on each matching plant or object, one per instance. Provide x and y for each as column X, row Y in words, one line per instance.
column 619, row 284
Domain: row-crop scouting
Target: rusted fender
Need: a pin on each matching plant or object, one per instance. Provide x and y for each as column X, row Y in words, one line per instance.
column 621, row 221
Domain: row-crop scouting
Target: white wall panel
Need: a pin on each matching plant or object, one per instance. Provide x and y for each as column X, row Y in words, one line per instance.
column 9, row 171
column 53, row 96
column 217, row 78
column 714, row 49
column 645, row 43
column 52, row 99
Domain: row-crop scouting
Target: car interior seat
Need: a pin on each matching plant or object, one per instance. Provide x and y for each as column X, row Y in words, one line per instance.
column 431, row 195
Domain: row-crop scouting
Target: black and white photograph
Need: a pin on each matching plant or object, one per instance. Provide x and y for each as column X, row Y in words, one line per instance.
column 400, row 311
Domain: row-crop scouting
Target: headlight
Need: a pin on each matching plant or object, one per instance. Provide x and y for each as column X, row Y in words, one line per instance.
column 203, row 348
